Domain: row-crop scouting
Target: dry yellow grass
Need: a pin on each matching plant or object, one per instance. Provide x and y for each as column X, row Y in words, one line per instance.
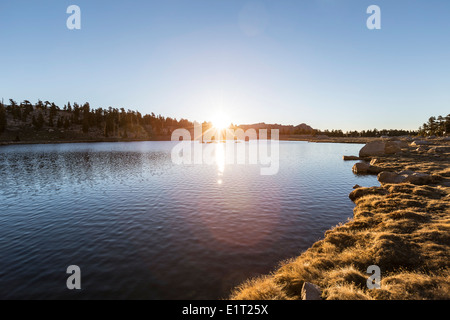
column 402, row 228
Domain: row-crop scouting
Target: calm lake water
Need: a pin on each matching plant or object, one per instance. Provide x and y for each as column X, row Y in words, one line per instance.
column 141, row 227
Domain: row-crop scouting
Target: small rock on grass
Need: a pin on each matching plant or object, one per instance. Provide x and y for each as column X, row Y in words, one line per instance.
column 311, row 292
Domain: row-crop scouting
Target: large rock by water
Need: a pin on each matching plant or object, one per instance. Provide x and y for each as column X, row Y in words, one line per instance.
column 374, row 148
column 390, row 177
column 360, row 168
column 419, row 178
column 404, row 176
column 366, row 168
column 402, row 144
column 392, row 147
column 379, row 148
column 350, row 158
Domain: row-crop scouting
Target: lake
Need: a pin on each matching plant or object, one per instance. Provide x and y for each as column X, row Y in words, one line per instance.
column 141, row 227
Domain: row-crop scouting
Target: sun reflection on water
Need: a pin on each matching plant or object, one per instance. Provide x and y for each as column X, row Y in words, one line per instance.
column 220, row 160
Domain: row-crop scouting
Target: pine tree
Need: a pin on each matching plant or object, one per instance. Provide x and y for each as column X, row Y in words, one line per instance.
column 40, row 121
column 3, row 120
column 86, row 116
column 66, row 123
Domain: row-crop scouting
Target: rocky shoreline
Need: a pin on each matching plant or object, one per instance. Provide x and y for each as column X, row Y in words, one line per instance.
column 401, row 226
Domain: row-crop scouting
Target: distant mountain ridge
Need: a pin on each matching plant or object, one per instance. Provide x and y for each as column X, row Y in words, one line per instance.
column 302, row 128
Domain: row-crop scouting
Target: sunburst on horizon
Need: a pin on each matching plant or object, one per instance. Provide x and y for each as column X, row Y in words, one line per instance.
column 221, row 122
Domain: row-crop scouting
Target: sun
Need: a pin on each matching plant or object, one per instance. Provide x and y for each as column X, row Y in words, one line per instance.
column 221, row 122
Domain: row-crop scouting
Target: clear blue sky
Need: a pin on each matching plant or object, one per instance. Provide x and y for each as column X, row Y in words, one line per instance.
column 274, row 61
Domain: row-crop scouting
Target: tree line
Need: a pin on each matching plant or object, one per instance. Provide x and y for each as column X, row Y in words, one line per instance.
column 363, row 133
column 436, row 126
column 110, row 121
column 370, row 133
column 113, row 122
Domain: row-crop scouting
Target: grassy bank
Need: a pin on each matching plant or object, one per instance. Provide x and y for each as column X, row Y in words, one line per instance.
column 402, row 228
